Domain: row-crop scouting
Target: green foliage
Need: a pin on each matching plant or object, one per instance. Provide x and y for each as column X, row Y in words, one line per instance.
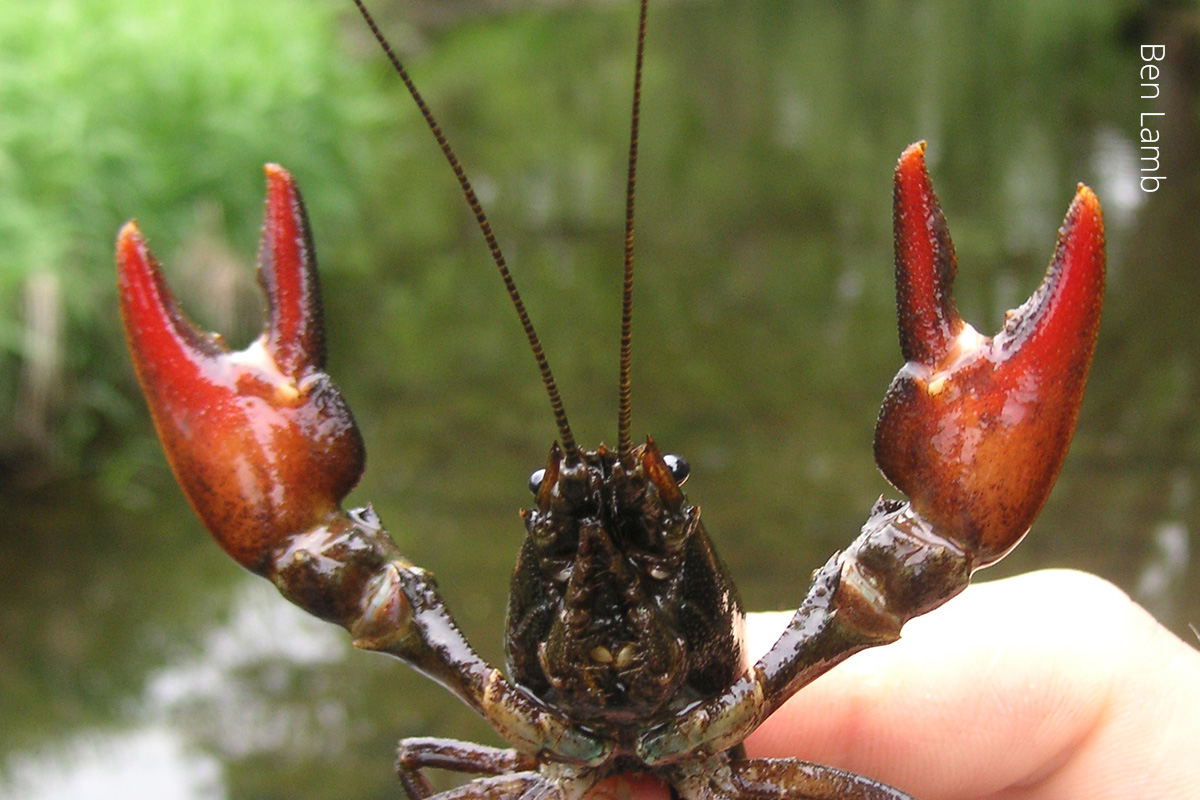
column 112, row 108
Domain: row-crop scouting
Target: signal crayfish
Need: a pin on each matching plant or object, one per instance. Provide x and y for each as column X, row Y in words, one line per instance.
column 624, row 647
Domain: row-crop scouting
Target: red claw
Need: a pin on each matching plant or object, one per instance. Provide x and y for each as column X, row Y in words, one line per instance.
column 925, row 264
column 260, row 439
column 975, row 429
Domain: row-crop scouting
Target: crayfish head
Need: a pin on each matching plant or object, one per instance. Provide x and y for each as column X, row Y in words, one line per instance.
column 619, row 607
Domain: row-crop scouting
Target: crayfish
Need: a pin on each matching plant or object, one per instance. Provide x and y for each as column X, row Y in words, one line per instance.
column 624, row 647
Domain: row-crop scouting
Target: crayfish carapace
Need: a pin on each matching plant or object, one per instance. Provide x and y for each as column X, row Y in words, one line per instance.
column 623, row 646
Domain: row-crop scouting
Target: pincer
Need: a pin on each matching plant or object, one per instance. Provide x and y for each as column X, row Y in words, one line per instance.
column 260, row 439
column 974, row 429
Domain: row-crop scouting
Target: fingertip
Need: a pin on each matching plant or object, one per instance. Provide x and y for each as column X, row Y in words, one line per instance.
column 1019, row 667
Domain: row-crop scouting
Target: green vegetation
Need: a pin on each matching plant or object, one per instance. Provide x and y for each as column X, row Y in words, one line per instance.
column 166, row 110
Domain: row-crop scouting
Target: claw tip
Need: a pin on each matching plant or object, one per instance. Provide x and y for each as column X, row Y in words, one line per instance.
column 1085, row 197
column 275, row 173
column 129, row 238
column 913, row 155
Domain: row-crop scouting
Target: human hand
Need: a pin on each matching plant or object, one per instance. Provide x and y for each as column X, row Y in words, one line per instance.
column 1048, row 685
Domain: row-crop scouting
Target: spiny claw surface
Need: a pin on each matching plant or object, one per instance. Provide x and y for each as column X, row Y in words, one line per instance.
column 975, row 429
column 260, row 439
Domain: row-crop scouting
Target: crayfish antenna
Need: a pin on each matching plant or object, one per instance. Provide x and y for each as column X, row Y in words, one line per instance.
column 624, row 403
column 570, row 449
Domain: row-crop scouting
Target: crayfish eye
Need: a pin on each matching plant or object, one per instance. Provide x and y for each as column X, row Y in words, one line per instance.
column 535, row 480
column 680, row 468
